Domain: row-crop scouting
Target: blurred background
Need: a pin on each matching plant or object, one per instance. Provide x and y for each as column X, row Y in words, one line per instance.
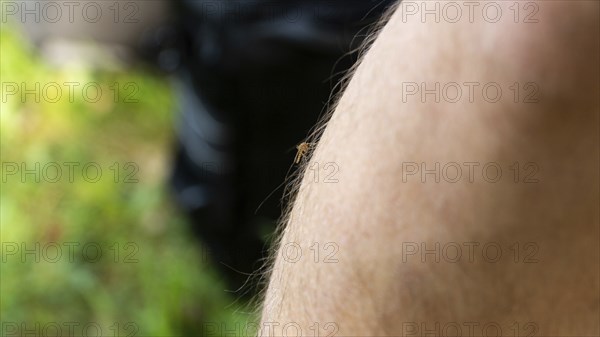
column 138, row 140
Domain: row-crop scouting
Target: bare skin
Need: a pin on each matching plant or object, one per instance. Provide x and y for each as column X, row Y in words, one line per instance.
column 380, row 211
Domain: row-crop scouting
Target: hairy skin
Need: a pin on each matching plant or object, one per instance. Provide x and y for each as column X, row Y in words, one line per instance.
column 373, row 212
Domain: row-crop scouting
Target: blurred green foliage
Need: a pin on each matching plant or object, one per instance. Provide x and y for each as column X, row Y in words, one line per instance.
column 149, row 273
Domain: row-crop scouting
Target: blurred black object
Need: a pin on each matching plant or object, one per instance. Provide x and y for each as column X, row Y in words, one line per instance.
column 252, row 78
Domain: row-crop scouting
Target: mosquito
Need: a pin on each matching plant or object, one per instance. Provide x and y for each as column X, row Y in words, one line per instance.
column 302, row 151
